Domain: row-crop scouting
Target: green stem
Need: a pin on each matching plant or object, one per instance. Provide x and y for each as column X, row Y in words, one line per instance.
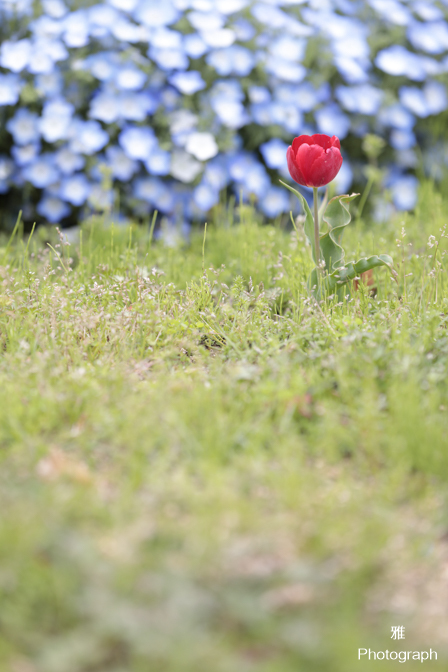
column 364, row 197
column 316, row 230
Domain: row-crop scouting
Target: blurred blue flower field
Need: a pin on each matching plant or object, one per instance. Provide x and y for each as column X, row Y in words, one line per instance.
column 168, row 105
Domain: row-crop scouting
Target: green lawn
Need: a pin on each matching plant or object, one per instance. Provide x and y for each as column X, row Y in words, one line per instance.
column 208, row 470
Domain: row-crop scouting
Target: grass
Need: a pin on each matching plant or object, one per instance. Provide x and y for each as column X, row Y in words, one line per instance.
column 204, row 469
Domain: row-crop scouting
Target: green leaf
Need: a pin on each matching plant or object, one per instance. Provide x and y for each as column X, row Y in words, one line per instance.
column 309, row 220
column 338, row 273
column 353, row 269
column 334, row 282
column 337, row 216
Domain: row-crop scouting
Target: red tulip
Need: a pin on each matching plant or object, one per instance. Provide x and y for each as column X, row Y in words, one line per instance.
column 314, row 160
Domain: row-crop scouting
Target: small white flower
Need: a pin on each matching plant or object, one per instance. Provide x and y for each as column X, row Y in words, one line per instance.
column 202, row 146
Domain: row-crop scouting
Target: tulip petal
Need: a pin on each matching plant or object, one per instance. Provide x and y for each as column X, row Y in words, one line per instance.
column 293, row 168
column 306, row 157
column 335, row 142
column 324, row 168
column 301, row 140
column 322, row 140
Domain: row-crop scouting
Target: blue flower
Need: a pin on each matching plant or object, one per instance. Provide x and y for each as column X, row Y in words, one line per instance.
column 248, row 173
column 432, row 99
column 231, row 113
column 331, row 121
column 42, row 172
column 356, row 47
column 274, row 202
column 262, row 114
column 6, row 169
column 401, row 138
column 392, row 11
column 344, row 179
column 206, row 21
column 55, row 121
column 169, row 98
column 235, row 60
column 288, row 48
column 187, row 82
column 100, row 198
column 194, row 45
column 137, row 142
column 75, row 189
column 105, row 107
column 165, row 38
column 153, row 13
column 427, row 11
column 54, row 8
column 430, row 37
column 259, row 94
column 158, row 162
column 184, row 167
column 52, row 208
column 363, row 99
column 227, row 88
column 133, row 106
column 126, row 31
column 87, row 137
column 404, row 192
column 25, row 153
column 68, row 162
column 219, row 39
column 121, row 166
column 398, row 61
column 108, row 106
column 153, row 191
column 18, row 8
column 201, row 145
column 45, row 53
column 396, row 116
column 244, row 30
column 288, row 116
column 101, row 18
column 274, row 153
column 256, row 181
column 216, row 173
column 205, row 196
column 23, row 127
column 303, row 96
column 353, row 71
column 230, row 6
column 49, row 84
column 76, row 29
column 124, row 5
column 46, row 28
column 103, row 66
column 129, row 78
column 270, row 16
column 15, row 56
column 169, row 59
column 285, row 69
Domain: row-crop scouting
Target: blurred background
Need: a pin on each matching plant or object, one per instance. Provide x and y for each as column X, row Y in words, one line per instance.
column 131, row 106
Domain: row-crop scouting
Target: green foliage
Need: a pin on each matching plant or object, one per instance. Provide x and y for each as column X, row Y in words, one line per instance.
column 203, row 468
column 337, row 272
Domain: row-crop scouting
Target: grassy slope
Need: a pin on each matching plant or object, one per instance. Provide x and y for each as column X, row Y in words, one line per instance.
column 192, row 481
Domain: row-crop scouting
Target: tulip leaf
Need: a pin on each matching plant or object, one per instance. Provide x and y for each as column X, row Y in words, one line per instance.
column 334, row 282
column 337, row 272
column 308, row 225
column 337, row 216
